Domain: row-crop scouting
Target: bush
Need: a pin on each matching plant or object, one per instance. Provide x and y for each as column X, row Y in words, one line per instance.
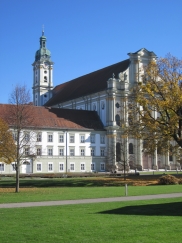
column 180, row 181
column 168, row 180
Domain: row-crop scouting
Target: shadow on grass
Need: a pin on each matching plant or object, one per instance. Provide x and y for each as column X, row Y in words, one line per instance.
column 60, row 183
column 166, row 209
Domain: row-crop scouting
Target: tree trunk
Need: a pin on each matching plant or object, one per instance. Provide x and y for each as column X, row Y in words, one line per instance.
column 17, row 177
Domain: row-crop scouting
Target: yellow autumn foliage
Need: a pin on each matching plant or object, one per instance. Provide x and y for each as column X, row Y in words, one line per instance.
column 158, row 114
column 7, row 144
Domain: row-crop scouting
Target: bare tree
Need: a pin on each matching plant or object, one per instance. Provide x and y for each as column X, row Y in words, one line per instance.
column 21, row 120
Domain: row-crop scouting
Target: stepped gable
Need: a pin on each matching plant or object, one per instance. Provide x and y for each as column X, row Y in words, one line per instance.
column 55, row 118
column 85, row 85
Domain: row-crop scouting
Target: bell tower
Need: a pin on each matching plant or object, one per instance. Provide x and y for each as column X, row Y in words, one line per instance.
column 42, row 74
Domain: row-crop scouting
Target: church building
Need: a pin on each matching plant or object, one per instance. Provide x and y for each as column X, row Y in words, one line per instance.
column 107, row 91
column 79, row 123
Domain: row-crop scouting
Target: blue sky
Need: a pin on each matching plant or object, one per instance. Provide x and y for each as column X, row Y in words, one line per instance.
column 82, row 35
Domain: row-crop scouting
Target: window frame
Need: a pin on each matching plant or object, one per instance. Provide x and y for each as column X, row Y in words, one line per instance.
column 70, row 152
column 92, row 164
column 49, row 153
column 102, row 152
column 39, row 137
column 61, row 164
column 82, row 138
column 92, row 152
column 82, row 151
column 40, row 151
column 37, row 165
column 102, row 139
column 61, row 138
column 49, row 138
column 61, row 149
column 92, row 138
column 72, row 138
column 26, row 151
column 82, row 166
column 2, row 167
column 102, row 164
column 72, row 164
column 50, row 167
column 27, row 137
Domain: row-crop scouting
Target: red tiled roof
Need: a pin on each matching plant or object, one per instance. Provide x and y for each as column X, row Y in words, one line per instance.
column 87, row 84
column 56, row 118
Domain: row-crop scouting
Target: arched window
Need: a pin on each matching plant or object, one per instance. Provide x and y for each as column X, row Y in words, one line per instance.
column 130, row 148
column 45, row 79
column 117, row 118
column 118, row 152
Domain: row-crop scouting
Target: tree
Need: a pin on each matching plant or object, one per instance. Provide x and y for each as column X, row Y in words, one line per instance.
column 122, row 157
column 20, row 118
column 156, row 117
column 7, row 144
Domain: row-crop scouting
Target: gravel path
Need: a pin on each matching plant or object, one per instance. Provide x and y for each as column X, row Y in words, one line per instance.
column 83, row 201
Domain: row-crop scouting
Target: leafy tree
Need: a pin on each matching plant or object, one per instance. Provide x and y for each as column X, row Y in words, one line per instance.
column 7, row 144
column 157, row 116
column 20, row 118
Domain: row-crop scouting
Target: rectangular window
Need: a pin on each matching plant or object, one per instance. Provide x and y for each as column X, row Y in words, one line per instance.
column 61, row 138
column 82, row 138
column 1, row 167
column 26, row 151
column 50, row 151
column 61, row 152
column 50, row 138
column 72, row 138
column 13, row 167
column 92, row 152
column 61, row 167
column 82, row 152
column 39, row 137
column 50, row 166
column 102, row 151
column 15, row 136
column 92, row 138
column 27, row 136
column 38, row 151
column 92, row 166
column 39, row 167
column 83, row 167
column 72, row 152
column 102, row 167
column 102, row 139
column 72, row 167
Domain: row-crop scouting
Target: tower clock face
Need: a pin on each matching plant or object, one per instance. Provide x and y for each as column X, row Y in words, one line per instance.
column 45, row 65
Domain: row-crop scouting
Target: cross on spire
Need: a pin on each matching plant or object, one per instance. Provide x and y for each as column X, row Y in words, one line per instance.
column 42, row 30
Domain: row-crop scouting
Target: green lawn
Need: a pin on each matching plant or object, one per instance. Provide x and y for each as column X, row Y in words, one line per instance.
column 64, row 193
column 150, row 221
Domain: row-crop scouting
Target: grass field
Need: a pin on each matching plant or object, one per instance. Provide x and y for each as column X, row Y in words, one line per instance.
column 34, row 190
column 150, row 221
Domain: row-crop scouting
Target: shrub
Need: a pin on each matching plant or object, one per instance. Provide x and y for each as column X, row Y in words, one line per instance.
column 180, row 181
column 168, row 180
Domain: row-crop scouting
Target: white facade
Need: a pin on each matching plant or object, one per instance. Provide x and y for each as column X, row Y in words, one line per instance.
column 60, row 151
